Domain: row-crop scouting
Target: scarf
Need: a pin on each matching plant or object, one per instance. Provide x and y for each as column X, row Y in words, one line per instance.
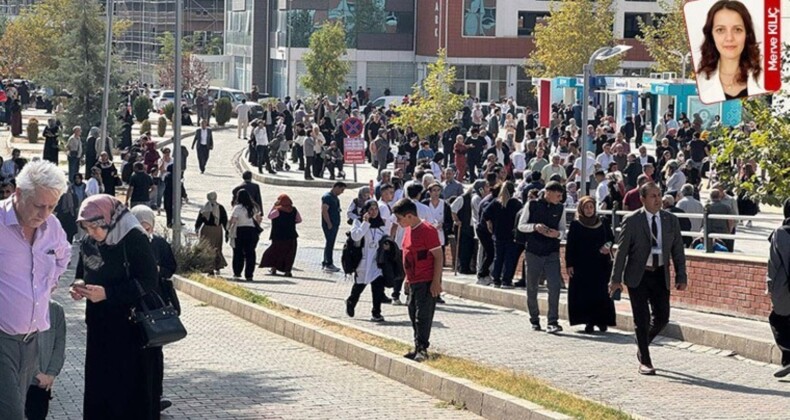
column 108, row 212
column 376, row 222
column 211, row 208
column 592, row 222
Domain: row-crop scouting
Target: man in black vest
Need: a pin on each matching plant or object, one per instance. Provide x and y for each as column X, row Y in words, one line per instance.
column 543, row 222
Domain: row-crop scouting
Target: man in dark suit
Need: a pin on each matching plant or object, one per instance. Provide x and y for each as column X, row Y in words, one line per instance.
column 649, row 239
column 253, row 189
column 204, row 139
column 639, row 124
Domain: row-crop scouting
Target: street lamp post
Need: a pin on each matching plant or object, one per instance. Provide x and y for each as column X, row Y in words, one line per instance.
column 588, row 70
column 683, row 60
column 177, row 128
column 110, row 9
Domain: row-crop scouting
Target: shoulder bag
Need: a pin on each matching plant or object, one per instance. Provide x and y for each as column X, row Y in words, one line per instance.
column 156, row 327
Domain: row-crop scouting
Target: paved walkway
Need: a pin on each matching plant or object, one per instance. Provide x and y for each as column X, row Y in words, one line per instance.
column 228, row 368
column 600, row 367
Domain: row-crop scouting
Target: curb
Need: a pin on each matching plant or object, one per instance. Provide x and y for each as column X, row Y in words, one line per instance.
column 751, row 348
column 244, row 165
column 477, row 399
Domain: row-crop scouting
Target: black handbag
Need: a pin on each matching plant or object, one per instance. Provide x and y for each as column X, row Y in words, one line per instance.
column 156, row 327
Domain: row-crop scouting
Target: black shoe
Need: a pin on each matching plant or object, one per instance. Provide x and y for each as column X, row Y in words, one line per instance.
column 507, row 285
column 781, row 373
column 410, row 355
column 349, row 308
column 536, row 327
column 521, row 284
column 288, row 274
column 386, row 300
column 164, row 404
column 589, row 329
column 553, row 329
column 497, row 285
column 440, row 300
column 603, row 328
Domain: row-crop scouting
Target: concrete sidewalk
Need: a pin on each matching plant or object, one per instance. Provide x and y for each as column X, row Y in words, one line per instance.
column 693, row 382
column 228, row 368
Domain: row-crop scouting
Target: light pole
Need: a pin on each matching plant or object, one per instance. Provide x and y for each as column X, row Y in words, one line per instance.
column 603, row 53
column 110, row 9
column 683, row 60
column 177, row 128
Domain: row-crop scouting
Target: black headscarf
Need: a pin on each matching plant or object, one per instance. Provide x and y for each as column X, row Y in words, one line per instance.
column 376, row 222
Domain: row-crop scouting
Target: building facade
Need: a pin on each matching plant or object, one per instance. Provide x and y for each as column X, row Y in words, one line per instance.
column 390, row 42
column 152, row 18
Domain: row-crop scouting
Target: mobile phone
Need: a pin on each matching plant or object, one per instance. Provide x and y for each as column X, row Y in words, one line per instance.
column 617, row 294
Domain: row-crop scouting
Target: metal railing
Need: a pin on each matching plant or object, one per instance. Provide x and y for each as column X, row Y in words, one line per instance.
column 707, row 236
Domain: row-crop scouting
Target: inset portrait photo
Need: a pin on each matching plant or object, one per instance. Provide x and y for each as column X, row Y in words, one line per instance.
column 735, row 47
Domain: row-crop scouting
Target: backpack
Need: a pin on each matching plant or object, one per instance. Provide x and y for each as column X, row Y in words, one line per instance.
column 352, row 254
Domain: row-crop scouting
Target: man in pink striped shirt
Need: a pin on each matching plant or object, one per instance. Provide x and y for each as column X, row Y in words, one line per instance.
column 35, row 253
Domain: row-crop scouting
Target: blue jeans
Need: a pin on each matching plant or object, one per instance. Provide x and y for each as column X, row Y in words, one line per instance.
column 506, row 254
column 329, row 248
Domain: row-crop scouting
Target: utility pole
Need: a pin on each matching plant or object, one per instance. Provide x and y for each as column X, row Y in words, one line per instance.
column 110, row 9
column 177, row 169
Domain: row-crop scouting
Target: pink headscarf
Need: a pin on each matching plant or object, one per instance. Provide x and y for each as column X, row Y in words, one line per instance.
column 108, row 212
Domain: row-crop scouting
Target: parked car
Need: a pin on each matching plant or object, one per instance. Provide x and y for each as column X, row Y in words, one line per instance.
column 169, row 95
column 385, row 101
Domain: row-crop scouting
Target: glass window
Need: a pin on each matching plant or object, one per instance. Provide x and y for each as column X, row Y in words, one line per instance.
column 499, row 73
column 631, row 24
column 479, row 18
column 527, row 22
column 478, row 72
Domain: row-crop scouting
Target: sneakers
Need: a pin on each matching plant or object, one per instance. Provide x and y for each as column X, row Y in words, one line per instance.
column 553, row 329
column 331, row 268
column 397, row 302
column 484, row 281
column 421, row 356
column 536, row 327
column 411, row 355
column 349, row 308
column 386, row 300
column 520, row 284
column 781, row 373
column 377, row 318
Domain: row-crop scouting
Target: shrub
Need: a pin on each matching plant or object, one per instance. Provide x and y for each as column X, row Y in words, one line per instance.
column 223, row 110
column 195, row 256
column 32, row 130
column 161, row 126
column 170, row 110
column 145, row 127
column 140, row 108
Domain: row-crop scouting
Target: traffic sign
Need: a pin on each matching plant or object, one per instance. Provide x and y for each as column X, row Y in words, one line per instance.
column 354, row 150
column 353, row 127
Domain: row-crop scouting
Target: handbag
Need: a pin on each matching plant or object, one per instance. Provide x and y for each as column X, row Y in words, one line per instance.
column 156, row 327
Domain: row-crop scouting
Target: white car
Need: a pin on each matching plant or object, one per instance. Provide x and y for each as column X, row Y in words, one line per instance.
column 385, row 101
column 169, row 95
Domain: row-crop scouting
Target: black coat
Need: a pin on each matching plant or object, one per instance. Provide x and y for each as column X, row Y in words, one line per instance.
column 119, row 374
column 253, row 189
column 209, row 139
column 166, row 261
column 51, row 147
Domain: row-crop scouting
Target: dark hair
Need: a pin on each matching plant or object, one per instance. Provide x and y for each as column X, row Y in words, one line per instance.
column 404, row 207
column 414, row 190
column 339, row 184
column 243, row 198
column 647, row 187
column 138, row 166
column 247, row 176
column 554, row 186
column 750, row 56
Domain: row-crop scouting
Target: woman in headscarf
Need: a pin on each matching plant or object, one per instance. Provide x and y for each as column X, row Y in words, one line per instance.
column 51, row 146
column 66, row 212
column 109, row 174
column 368, row 230
column 588, row 263
column 119, row 373
column 90, row 150
column 244, row 233
column 211, row 221
column 355, row 211
column 281, row 253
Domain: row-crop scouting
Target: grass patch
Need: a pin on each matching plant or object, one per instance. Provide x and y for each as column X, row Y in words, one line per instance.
column 513, row 383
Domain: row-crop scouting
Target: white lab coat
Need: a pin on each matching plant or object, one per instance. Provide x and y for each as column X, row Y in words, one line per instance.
column 368, row 270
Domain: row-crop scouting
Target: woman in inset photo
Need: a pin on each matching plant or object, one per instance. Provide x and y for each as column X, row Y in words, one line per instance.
column 729, row 64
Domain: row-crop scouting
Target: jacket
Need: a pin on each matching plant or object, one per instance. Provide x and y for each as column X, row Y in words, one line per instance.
column 778, row 270
column 389, row 258
column 209, row 139
column 711, row 90
column 367, row 270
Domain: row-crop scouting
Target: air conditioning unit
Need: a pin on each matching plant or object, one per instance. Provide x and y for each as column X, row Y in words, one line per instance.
column 668, row 75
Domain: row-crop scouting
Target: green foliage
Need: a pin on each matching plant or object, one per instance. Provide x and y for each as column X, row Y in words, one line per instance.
column 300, row 28
column 195, row 256
column 170, row 110
column 161, row 126
column 145, row 127
column 222, row 111
column 666, row 36
column 326, row 70
column 140, row 108
column 194, row 73
column 32, row 130
column 433, row 107
column 83, row 43
column 565, row 40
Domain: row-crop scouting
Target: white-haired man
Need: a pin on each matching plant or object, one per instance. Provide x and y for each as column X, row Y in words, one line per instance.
column 34, row 240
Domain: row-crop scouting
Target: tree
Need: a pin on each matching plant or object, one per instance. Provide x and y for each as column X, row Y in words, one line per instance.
column 33, row 39
column 665, row 35
column 433, row 107
column 194, row 73
column 326, row 70
column 81, row 66
column 767, row 145
column 565, row 40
